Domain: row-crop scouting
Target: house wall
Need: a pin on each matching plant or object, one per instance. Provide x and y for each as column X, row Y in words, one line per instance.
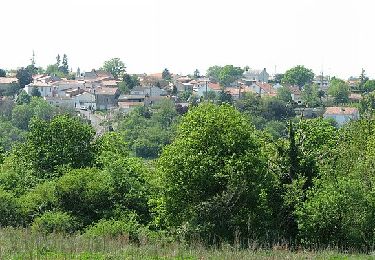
column 342, row 119
column 105, row 101
column 44, row 91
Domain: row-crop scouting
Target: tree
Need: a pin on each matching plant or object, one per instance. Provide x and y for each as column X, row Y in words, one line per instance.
column 310, row 95
column 299, row 76
column 64, row 68
column 284, row 94
column 224, row 97
column 196, row 73
column 214, row 176
column 367, row 104
column 24, row 77
column 58, row 61
column 363, row 79
column 276, row 109
column 35, row 92
column 339, row 90
column 368, row 86
column 23, row 98
column 3, row 73
column 129, row 82
column 213, row 73
column 229, row 74
column 58, row 143
column 278, row 78
column 166, row 75
column 115, row 66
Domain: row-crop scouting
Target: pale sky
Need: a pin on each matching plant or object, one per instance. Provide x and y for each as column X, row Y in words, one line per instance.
column 182, row 35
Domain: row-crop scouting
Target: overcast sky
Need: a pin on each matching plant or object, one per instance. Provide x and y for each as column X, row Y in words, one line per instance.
column 182, row 35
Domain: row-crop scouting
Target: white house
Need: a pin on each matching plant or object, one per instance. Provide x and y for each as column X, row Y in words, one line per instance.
column 61, row 101
column 256, row 76
column 45, row 89
column 342, row 115
column 85, row 99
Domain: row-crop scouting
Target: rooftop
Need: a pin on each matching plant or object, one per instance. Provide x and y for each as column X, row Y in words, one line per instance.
column 341, row 111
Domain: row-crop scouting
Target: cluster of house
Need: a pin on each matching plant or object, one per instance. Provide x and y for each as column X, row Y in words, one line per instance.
column 93, row 90
column 98, row 90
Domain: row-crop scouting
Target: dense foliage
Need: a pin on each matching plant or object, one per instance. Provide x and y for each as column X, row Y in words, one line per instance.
column 233, row 173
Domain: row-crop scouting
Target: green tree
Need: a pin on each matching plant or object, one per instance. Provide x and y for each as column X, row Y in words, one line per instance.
column 229, row 74
column 23, row 98
column 284, row 94
column 196, row 74
column 24, row 77
column 58, row 60
column 35, row 92
column 299, row 76
column 224, row 97
column 115, row 66
column 128, row 82
column 214, row 175
column 278, row 78
column 367, row 104
column 64, row 65
column 166, row 75
column 368, row 86
column 85, row 193
column 22, row 114
column 213, row 73
column 339, row 90
column 339, row 210
column 9, row 134
column 310, row 95
column 62, row 141
column 3, row 73
column 276, row 109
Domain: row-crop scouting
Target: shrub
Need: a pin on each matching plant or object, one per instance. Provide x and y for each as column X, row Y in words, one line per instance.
column 55, row 222
column 128, row 226
column 8, row 208
column 86, row 193
column 34, row 203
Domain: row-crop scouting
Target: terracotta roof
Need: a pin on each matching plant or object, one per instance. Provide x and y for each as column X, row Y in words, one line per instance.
column 109, row 83
column 233, row 91
column 130, row 104
column 355, row 96
column 156, row 75
column 214, row 86
column 341, row 111
column 106, row 91
column 267, row 88
column 8, row 80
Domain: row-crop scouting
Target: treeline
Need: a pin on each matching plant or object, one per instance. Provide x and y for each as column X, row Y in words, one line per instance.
column 214, row 177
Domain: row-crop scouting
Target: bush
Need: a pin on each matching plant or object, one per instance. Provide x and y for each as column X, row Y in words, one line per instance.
column 55, row 222
column 8, row 208
column 86, row 193
column 34, row 203
column 128, row 226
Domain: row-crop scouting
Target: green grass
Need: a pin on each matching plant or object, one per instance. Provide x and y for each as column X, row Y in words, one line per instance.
column 24, row 244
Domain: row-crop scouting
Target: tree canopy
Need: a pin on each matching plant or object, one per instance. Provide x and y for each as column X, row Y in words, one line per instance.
column 114, row 66
column 339, row 90
column 298, row 75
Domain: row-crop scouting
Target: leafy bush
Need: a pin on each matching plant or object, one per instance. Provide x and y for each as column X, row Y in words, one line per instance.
column 51, row 222
column 128, row 226
column 86, row 193
column 34, row 203
column 8, row 208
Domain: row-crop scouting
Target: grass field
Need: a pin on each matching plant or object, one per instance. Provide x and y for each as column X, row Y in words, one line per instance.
column 23, row 244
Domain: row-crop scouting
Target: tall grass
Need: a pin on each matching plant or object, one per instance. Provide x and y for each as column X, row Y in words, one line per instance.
column 24, row 244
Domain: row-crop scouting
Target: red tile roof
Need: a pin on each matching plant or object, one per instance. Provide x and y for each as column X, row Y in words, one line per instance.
column 341, row 111
column 8, row 80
